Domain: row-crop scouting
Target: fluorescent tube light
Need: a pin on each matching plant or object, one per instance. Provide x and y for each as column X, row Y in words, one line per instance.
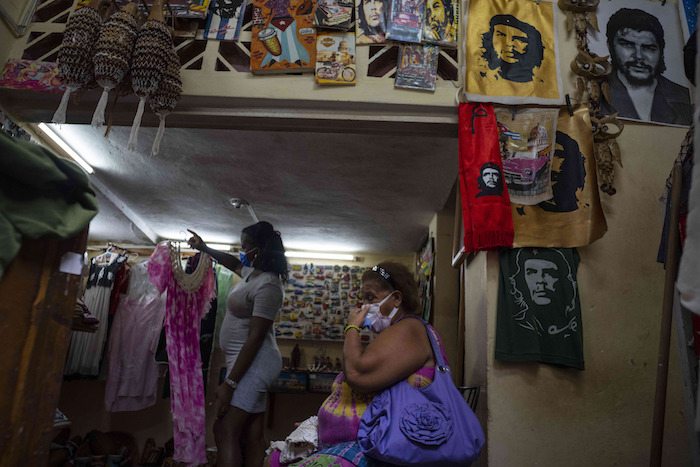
column 71, row 152
column 214, row 246
column 319, row 255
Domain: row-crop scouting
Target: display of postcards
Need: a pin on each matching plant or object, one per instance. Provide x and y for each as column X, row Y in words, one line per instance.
column 406, row 21
column 311, row 310
column 195, row 9
column 441, row 22
column 225, row 19
column 417, row 67
column 333, row 14
column 335, row 58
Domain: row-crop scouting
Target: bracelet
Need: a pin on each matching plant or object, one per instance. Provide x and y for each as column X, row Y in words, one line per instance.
column 351, row 326
column 231, row 383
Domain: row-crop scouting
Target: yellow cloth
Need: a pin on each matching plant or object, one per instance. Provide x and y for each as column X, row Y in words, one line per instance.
column 487, row 78
column 574, row 217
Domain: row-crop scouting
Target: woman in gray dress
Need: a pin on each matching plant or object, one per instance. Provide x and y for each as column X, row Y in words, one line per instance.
column 247, row 338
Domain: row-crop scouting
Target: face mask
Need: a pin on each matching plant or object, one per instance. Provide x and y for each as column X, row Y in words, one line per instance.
column 376, row 320
column 244, row 258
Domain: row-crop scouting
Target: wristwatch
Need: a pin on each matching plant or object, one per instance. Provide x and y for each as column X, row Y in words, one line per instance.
column 231, row 383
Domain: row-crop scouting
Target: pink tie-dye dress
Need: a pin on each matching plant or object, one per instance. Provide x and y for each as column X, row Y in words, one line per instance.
column 187, row 300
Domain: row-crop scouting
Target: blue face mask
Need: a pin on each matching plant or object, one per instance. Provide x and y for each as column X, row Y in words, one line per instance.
column 244, row 258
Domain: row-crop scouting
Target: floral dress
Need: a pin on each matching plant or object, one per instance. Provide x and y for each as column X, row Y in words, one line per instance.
column 187, row 300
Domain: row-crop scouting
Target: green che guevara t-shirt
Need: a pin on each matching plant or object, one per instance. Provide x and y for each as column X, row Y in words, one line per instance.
column 539, row 312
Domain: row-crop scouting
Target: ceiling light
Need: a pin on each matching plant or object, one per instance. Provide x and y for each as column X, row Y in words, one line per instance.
column 71, row 152
column 319, row 255
column 213, row 246
column 237, row 203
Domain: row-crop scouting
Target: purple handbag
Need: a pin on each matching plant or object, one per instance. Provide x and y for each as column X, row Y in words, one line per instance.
column 431, row 426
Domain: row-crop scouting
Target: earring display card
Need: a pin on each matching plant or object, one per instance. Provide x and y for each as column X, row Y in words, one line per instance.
column 333, row 14
column 225, row 19
column 417, row 68
column 317, row 300
column 284, row 39
column 335, row 58
column 406, row 21
column 441, row 22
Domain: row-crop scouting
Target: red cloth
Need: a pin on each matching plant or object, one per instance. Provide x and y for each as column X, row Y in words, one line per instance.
column 486, row 213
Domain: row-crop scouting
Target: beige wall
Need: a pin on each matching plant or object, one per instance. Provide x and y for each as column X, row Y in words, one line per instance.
column 544, row 415
column 446, row 292
column 538, row 414
column 603, row 415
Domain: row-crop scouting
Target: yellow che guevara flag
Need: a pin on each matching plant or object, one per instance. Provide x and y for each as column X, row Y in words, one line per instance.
column 512, row 52
column 574, row 216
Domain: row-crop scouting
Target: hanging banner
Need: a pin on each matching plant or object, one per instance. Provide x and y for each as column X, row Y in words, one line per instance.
column 539, row 310
column 574, row 216
column 517, row 62
column 486, row 212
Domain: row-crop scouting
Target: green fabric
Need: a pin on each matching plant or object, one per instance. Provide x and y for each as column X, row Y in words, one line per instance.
column 539, row 312
column 41, row 196
column 225, row 280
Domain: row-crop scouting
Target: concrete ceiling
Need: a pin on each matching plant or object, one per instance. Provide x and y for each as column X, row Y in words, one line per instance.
column 324, row 191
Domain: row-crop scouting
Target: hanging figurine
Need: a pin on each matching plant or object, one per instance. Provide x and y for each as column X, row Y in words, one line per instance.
column 606, row 150
column 112, row 59
column 591, row 72
column 167, row 96
column 149, row 62
column 75, row 56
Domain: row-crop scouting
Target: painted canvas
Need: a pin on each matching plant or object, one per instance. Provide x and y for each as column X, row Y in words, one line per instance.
column 441, row 22
column 333, row 14
column 371, row 20
column 644, row 42
column 417, row 68
column 284, row 38
column 335, row 58
column 225, row 19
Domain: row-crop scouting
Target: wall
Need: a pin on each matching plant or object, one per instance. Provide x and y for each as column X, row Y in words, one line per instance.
column 544, row 415
column 446, row 291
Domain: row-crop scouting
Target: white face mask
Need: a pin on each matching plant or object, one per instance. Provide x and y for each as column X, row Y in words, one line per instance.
column 375, row 319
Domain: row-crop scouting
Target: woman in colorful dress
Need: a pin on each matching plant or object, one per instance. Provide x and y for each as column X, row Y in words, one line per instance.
column 400, row 350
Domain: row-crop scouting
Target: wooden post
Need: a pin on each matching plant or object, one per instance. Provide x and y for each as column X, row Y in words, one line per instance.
column 672, row 248
column 36, row 313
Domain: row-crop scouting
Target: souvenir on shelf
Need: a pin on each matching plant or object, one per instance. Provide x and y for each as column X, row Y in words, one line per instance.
column 149, row 63
column 417, row 67
column 441, row 22
column 370, row 21
column 112, row 59
column 317, row 301
column 333, row 14
column 527, row 142
column 76, row 52
column 225, row 20
column 335, row 58
column 284, row 39
column 406, row 21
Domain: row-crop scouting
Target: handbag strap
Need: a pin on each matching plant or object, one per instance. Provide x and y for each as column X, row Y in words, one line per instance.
column 439, row 361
